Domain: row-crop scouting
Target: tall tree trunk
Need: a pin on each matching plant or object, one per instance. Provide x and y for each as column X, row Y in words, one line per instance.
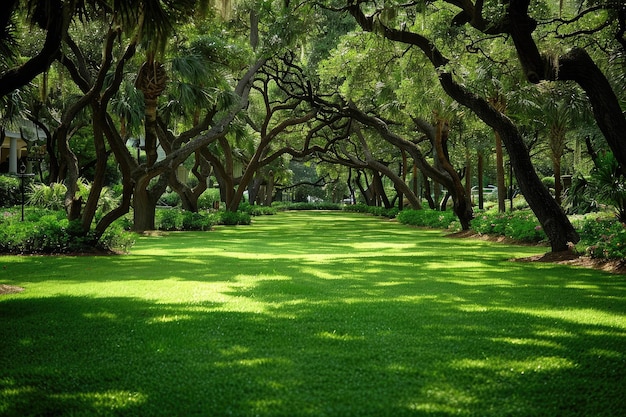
column 145, row 199
column 461, row 205
column 481, row 171
column 269, row 188
column 151, row 81
column 558, row 185
column 500, row 175
column 97, row 184
column 468, row 173
column 428, row 193
column 72, row 203
column 499, row 104
column 415, row 180
column 380, row 189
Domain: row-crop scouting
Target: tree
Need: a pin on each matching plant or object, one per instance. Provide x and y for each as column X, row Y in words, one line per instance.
column 556, row 225
column 52, row 16
column 575, row 64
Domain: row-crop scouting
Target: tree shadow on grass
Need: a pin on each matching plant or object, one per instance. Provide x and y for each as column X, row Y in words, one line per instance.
column 352, row 324
column 454, row 353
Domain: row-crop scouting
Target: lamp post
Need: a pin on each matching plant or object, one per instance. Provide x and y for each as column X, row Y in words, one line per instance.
column 22, row 174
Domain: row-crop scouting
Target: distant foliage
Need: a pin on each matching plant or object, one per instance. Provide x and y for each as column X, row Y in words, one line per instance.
column 520, row 225
column 170, row 199
column 233, row 218
column 307, row 206
column 179, row 219
column 390, row 213
column 256, row 210
column 10, row 194
column 208, row 198
column 429, row 218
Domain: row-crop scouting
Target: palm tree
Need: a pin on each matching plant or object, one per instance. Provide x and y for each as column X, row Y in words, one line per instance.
column 610, row 184
column 561, row 109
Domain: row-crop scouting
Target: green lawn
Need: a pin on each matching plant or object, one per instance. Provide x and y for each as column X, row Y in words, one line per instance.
column 311, row 314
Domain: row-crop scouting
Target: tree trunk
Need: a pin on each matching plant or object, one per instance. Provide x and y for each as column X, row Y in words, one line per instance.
column 269, row 189
column 72, row 203
column 91, row 205
column 144, row 212
column 428, row 194
column 468, row 173
column 500, row 175
column 380, row 189
column 558, row 185
column 151, row 81
column 461, row 205
column 481, row 171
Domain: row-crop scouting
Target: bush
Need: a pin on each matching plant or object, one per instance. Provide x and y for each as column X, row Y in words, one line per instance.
column 49, row 232
column 168, row 219
column 208, row 198
column 520, row 225
column 233, row 218
column 603, row 238
column 429, row 218
column 255, row 210
column 40, row 232
column 47, row 196
column 170, row 199
column 308, row 206
column 198, row 221
column 374, row 210
column 10, row 193
column 115, row 238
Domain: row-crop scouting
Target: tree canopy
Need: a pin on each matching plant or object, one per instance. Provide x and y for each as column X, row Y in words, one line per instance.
column 408, row 98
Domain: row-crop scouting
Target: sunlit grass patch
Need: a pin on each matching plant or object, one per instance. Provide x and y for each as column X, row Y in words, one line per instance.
column 311, row 314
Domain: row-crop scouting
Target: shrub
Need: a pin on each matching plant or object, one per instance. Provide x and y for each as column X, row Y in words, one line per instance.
column 47, row 196
column 520, row 225
column 49, row 232
column 520, row 203
column 603, row 238
column 208, row 198
column 10, row 193
column 549, row 182
column 198, row 221
column 429, row 218
column 169, row 219
column 255, row 210
column 310, row 206
column 170, row 199
column 524, row 226
column 233, row 218
column 374, row 210
column 115, row 238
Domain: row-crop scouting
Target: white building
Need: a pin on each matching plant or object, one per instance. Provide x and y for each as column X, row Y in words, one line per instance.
column 15, row 146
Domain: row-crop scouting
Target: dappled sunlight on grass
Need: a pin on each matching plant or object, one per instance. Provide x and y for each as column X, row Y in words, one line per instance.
column 311, row 314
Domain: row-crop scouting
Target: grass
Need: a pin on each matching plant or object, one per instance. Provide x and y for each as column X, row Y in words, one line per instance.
column 311, row 314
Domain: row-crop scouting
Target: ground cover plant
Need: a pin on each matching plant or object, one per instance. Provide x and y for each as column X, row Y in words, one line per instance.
column 311, row 314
